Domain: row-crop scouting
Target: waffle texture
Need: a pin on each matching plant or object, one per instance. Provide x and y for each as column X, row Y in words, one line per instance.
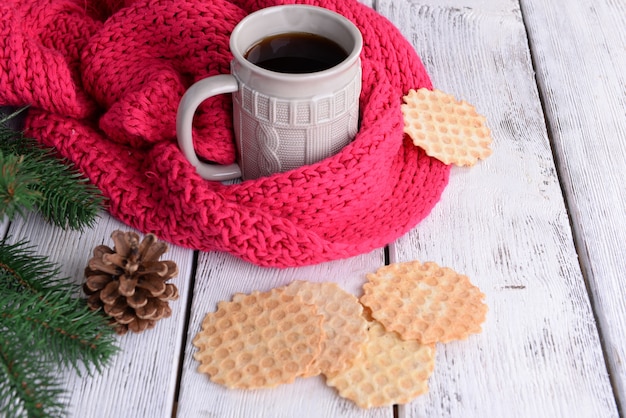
column 425, row 302
column 260, row 340
column 387, row 371
column 449, row 130
column 104, row 78
column 344, row 324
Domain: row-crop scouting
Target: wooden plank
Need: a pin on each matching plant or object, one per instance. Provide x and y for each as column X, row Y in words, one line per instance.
column 219, row 277
column 141, row 379
column 580, row 56
column 504, row 224
column 4, row 227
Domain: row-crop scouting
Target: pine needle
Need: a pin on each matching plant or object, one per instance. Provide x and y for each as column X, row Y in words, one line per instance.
column 38, row 178
column 73, row 333
column 23, row 270
column 16, row 187
column 28, row 385
column 43, row 327
column 43, row 324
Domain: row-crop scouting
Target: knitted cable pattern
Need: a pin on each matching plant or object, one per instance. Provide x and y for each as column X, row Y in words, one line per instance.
column 104, row 78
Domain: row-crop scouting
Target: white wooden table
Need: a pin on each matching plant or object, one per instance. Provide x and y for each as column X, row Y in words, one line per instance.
column 540, row 227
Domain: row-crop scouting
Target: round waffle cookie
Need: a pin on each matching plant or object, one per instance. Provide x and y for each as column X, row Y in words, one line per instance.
column 388, row 370
column 425, row 302
column 259, row 340
column 344, row 324
column 447, row 129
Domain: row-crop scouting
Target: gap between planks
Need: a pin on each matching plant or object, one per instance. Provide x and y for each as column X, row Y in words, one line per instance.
column 185, row 336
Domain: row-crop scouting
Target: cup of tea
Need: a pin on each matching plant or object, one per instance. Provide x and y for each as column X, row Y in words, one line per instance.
column 295, row 82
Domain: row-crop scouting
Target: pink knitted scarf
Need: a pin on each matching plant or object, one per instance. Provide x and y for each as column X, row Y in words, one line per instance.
column 104, row 78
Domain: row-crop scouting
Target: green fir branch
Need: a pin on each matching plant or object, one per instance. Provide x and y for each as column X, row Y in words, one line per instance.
column 73, row 333
column 43, row 327
column 60, row 193
column 23, row 270
column 16, row 193
column 43, row 324
column 28, row 384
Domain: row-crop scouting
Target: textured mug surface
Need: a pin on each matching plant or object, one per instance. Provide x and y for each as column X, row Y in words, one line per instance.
column 282, row 121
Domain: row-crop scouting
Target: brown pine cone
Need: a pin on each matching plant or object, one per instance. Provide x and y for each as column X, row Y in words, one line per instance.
column 128, row 281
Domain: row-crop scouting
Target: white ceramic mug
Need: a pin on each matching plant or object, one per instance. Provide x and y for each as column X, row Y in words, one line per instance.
column 281, row 120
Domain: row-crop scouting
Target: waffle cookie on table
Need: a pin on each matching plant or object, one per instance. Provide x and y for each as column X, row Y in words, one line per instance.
column 425, row 302
column 259, row 340
column 387, row 371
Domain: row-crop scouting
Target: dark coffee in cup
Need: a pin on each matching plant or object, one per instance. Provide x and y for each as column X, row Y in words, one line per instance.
column 296, row 53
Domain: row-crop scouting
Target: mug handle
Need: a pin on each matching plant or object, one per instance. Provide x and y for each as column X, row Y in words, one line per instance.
column 193, row 97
